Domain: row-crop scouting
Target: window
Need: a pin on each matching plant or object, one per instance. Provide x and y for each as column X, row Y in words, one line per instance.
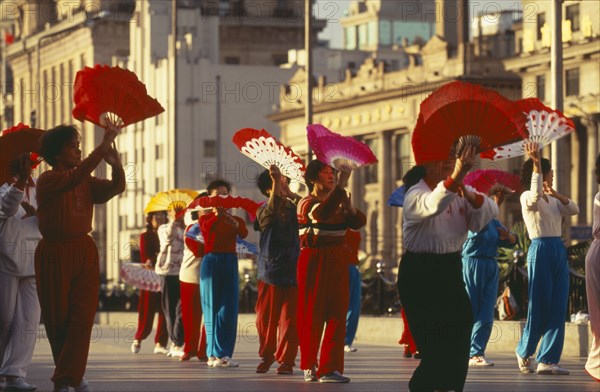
column 541, row 21
column 231, row 60
column 371, row 170
column 385, row 32
column 403, row 162
column 158, row 151
column 572, row 82
column 350, row 38
column 572, row 14
column 540, row 85
column 210, row 149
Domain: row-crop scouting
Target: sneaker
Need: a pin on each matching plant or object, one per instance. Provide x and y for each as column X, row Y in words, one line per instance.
column 158, row 349
column 417, row 355
column 310, row 375
column 135, row 346
column 83, row 386
column 525, row 365
column 551, row 368
column 18, row 384
column 225, row 362
column 335, row 377
column 407, row 353
column 479, row 360
column 264, row 365
column 176, row 352
column 285, row 369
column 350, row 349
column 212, row 361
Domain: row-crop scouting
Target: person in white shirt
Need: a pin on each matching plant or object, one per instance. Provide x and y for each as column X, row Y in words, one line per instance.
column 438, row 212
column 19, row 305
column 547, row 268
column 592, row 285
column 168, row 265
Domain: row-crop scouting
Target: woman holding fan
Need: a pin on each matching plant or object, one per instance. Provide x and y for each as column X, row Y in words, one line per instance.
column 323, row 293
column 438, row 212
column 219, row 278
column 547, row 268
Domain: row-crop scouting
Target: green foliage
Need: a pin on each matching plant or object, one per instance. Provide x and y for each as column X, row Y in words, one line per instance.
column 506, row 255
column 576, row 256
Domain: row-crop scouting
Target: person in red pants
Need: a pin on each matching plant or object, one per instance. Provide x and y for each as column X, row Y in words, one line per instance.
column 410, row 347
column 149, row 302
column 276, row 305
column 66, row 259
column 194, row 337
column 323, row 291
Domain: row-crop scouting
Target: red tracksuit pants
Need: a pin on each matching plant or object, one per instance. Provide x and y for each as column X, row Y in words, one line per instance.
column 276, row 309
column 407, row 337
column 149, row 304
column 191, row 313
column 67, row 278
column 323, row 295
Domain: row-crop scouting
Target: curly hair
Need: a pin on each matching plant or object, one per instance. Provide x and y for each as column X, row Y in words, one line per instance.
column 218, row 183
column 312, row 173
column 413, row 176
column 527, row 171
column 54, row 140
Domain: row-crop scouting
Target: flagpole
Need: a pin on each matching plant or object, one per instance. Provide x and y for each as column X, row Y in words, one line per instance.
column 308, row 102
column 3, row 123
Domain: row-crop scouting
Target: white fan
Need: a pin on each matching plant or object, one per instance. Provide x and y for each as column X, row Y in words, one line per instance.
column 544, row 126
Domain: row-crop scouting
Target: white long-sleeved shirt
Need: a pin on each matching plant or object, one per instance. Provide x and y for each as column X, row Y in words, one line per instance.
column 543, row 219
column 18, row 237
column 170, row 256
column 437, row 221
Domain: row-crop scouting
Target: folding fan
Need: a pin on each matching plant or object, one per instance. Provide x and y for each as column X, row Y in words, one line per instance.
column 15, row 141
column 397, row 197
column 112, row 95
column 225, row 201
column 265, row 150
column 174, row 199
column 342, row 152
column 137, row 275
column 484, row 180
column 544, row 125
column 460, row 109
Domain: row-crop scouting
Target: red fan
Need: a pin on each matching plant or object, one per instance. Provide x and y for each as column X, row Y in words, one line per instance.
column 139, row 276
column 484, row 180
column 264, row 149
column 15, row 141
column 225, row 202
column 460, row 109
column 544, row 126
column 342, row 152
column 112, row 95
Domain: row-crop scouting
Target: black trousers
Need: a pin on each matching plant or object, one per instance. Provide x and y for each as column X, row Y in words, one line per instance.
column 439, row 315
column 171, row 304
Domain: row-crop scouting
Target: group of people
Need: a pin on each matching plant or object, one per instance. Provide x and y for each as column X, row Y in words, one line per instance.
column 308, row 288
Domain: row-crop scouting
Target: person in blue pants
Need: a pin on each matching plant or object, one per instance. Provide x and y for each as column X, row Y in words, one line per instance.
column 547, row 270
column 352, row 242
column 480, row 273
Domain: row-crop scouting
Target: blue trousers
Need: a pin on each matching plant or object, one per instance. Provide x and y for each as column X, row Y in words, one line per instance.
column 354, row 305
column 219, row 290
column 481, row 281
column 548, row 275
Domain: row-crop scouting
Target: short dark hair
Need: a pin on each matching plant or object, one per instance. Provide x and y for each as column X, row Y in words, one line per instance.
column 527, row 171
column 312, row 173
column 413, row 176
column 264, row 182
column 149, row 217
column 218, row 183
column 54, row 140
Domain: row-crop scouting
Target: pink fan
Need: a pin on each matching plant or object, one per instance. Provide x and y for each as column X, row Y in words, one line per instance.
column 484, row 180
column 265, row 150
column 544, row 125
column 342, row 152
column 138, row 276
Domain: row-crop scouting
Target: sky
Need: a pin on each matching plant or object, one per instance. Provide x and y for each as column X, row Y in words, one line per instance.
column 334, row 10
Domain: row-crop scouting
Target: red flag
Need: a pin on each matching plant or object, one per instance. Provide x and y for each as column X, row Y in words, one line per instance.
column 8, row 38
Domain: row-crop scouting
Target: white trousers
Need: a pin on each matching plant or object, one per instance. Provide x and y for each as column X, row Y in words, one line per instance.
column 19, row 323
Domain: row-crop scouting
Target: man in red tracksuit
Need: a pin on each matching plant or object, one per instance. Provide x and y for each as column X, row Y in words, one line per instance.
column 323, row 290
column 276, row 305
column 66, row 259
